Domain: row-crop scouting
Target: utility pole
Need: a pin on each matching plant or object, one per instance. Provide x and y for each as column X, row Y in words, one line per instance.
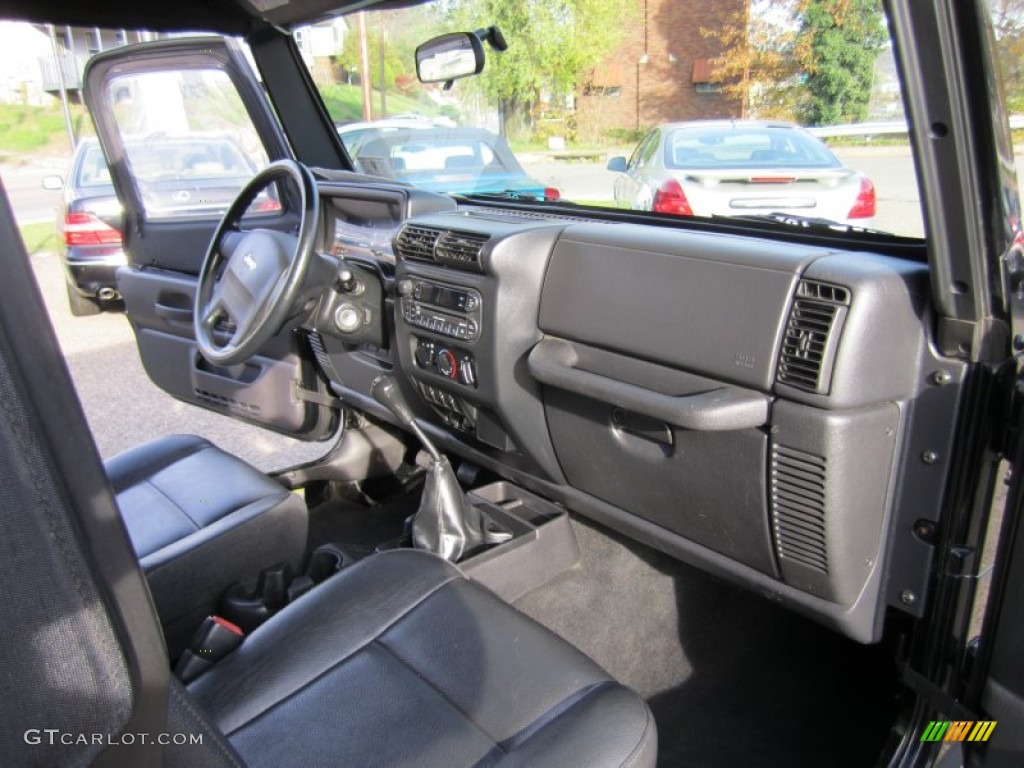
column 59, row 64
column 383, row 76
column 364, row 69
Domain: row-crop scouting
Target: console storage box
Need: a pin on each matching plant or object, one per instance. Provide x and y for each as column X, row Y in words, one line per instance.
column 543, row 544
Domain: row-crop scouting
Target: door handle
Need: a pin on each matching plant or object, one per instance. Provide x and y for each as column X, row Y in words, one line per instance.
column 724, row 408
column 175, row 314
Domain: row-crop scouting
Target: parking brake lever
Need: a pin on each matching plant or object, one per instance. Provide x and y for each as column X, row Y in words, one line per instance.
column 385, row 391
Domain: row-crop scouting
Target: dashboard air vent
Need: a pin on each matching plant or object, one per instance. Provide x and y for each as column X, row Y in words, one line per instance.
column 798, row 507
column 417, row 242
column 460, row 249
column 811, row 336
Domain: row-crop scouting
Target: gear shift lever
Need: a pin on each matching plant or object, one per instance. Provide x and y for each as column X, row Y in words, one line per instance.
column 386, row 392
column 445, row 523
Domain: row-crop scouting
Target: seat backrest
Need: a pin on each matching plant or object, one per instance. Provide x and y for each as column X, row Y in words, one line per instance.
column 83, row 655
column 460, row 162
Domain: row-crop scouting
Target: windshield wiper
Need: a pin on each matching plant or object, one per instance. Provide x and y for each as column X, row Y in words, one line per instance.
column 810, row 223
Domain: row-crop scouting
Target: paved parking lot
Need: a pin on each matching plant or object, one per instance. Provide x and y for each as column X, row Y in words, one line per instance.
column 124, row 407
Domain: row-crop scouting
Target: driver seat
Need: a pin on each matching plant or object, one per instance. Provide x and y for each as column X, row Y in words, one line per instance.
column 199, row 520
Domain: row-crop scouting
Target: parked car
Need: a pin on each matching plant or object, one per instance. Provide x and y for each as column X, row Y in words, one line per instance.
column 691, row 490
column 352, row 134
column 180, row 177
column 89, row 229
column 442, row 159
column 740, row 168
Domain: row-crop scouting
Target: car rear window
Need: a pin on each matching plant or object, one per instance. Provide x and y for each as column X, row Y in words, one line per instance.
column 93, row 171
column 445, row 157
column 728, row 147
column 163, row 159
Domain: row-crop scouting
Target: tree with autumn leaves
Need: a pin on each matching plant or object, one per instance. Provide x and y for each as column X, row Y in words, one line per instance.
column 813, row 60
column 1008, row 21
column 805, row 60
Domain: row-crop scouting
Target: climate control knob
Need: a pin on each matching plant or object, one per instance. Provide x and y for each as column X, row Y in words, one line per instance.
column 467, row 372
column 425, row 354
column 447, row 364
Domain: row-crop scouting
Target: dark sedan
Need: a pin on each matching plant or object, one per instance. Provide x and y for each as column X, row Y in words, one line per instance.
column 193, row 175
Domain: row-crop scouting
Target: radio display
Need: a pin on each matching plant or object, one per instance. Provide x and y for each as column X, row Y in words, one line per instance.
column 439, row 296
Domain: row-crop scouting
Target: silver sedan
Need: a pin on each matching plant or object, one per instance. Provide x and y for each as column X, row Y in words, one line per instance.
column 740, row 168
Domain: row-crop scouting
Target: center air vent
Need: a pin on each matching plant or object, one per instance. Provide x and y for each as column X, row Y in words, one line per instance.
column 417, row 242
column 460, row 249
column 445, row 246
column 812, row 334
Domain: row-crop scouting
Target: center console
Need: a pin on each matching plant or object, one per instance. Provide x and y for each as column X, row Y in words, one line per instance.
column 457, row 281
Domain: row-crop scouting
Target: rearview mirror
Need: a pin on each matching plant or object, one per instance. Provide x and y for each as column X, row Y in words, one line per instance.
column 449, row 57
column 53, row 183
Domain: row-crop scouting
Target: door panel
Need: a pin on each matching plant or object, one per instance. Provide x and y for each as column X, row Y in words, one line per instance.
column 261, row 391
column 184, row 125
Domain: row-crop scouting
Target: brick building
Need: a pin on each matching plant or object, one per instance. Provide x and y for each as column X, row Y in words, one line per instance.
column 660, row 72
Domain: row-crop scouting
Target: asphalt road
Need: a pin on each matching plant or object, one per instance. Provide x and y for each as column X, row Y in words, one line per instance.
column 24, row 183
column 123, row 407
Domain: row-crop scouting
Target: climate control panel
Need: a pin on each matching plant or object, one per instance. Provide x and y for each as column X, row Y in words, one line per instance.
column 451, row 362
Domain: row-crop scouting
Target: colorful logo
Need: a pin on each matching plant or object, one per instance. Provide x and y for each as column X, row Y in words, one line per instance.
column 958, row 730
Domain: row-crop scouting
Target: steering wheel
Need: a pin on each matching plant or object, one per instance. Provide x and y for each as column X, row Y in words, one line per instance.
column 253, row 278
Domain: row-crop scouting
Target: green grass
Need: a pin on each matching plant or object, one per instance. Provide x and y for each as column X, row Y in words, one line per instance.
column 345, row 103
column 25, row 128
column 39, row 237
column 598, row 203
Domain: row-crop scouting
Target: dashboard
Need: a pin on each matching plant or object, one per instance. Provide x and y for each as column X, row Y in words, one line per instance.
column 745, row 405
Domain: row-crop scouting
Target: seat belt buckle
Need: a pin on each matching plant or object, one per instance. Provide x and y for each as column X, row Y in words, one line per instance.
column 215, row 639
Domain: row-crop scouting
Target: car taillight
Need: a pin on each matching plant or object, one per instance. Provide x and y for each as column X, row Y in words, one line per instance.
column 87, row 229
column 268, row 205
column 670, row 198
column 864, row 205
column 551, row 194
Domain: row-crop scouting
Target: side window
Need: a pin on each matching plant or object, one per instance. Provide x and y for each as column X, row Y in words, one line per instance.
column 647, row 151
column 189, row 142
column 643, row 149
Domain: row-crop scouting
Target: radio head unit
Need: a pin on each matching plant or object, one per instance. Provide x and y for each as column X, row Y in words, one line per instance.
column 444, row 309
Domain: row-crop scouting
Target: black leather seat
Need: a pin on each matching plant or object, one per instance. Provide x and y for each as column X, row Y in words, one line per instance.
column 200, row 519
column 401, row 660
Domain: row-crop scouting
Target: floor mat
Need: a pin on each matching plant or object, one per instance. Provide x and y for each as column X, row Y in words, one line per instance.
column 733, row 680
column 359, row 528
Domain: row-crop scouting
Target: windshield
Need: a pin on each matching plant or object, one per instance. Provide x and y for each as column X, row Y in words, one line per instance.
column 709, row 109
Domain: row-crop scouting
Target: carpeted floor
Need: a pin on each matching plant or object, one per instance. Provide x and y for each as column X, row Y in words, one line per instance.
column 357, row 527
column 733, row 680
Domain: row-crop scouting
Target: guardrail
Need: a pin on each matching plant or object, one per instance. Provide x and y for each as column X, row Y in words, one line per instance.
column 881, row 128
